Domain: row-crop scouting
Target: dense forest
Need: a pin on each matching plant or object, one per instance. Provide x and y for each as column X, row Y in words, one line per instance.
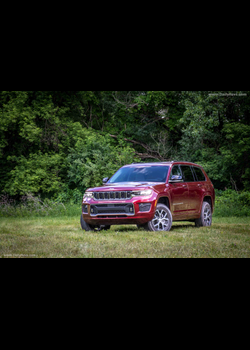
column 58, row 143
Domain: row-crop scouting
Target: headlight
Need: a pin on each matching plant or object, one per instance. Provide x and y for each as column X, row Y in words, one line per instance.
column 141, row 193
column 88, row 195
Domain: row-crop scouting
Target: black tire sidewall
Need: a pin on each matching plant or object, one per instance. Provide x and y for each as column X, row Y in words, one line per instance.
column 106, row 227
column 85, row 226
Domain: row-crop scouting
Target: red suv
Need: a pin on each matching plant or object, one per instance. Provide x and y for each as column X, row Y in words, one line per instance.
column 152, row 196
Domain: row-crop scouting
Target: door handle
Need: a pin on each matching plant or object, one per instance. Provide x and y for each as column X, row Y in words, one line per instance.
column 200, row 185
column 184, row 185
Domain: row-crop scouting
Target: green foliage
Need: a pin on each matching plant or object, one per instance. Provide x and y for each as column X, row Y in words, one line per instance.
column 69, row 196
column 216, row 134
column 230, row 203
column 237, row 150
column 37, row 174
column 58, row 143
column 94, row 158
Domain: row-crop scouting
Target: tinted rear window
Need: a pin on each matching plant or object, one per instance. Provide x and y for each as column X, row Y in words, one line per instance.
column 187, row 173
column 199, row 174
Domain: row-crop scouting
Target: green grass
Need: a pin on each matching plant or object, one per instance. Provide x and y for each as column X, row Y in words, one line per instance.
column 62, row 237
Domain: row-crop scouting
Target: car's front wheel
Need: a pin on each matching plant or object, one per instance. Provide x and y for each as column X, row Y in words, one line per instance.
column 105, row 227
column 85, row 226
column 162, row 220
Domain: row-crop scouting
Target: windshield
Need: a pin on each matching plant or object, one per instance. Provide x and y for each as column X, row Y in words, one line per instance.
column 141, row 174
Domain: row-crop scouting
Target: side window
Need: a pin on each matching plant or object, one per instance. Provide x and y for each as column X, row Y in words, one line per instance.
column 199, row 174
column 175, row 171
column 187, row 173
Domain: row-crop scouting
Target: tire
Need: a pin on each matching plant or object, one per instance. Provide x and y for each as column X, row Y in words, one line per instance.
column 85, row 226
column 206, row 216
column 140, row 226
column 105, row 227
column 162, row 220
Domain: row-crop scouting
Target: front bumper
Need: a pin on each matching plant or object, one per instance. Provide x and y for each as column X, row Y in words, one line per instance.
column 126, row 212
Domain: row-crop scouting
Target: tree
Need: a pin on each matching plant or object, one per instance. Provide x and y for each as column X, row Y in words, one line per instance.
column 93, row 158
column 71, row 133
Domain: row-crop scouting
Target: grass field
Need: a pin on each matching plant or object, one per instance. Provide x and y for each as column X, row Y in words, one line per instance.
column 62, row 237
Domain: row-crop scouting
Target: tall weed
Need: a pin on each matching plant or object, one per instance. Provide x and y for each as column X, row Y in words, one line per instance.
column 30, row 205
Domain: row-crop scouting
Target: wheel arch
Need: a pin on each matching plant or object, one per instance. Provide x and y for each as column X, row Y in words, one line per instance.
column 164, row 200
column 208, row 198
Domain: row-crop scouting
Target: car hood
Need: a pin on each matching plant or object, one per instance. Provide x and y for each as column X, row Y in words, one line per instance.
column 124, row 186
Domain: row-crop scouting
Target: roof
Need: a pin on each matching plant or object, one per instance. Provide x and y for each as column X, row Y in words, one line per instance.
column 164, row 163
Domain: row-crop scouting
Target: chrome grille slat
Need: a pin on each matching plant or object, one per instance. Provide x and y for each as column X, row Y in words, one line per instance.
column 112, row 195
column 106, row 195
column 117, row 195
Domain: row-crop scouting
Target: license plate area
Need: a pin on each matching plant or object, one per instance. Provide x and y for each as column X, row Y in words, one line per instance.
column 112, row 209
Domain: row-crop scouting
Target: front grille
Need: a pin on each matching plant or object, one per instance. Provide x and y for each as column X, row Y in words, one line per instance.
column 121, row 195
column 114, row 209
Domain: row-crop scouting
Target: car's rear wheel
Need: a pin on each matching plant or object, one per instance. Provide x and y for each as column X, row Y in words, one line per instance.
column 162, row 220
column 206, row 216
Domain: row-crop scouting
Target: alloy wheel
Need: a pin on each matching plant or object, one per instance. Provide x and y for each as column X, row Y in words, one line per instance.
column 161, row 220
column 207, row 215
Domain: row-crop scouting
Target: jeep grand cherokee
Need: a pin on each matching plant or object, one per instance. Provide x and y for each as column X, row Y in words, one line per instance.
column 150, row 195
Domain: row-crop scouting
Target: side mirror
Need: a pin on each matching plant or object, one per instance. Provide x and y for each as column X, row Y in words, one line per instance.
column 176, row 178
column 105, row 180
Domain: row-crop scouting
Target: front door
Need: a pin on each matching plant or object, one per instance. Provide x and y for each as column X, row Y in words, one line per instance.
column 179, row 195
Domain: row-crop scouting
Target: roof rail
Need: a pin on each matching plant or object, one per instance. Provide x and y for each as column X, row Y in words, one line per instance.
column 183, row 161
column 166, row 161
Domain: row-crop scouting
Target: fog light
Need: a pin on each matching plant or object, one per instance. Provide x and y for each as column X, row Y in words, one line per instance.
column 145, row 206
column 85, row 209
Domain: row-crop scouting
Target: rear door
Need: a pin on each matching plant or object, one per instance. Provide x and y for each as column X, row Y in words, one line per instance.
column 201, row 186
column 193, row 190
